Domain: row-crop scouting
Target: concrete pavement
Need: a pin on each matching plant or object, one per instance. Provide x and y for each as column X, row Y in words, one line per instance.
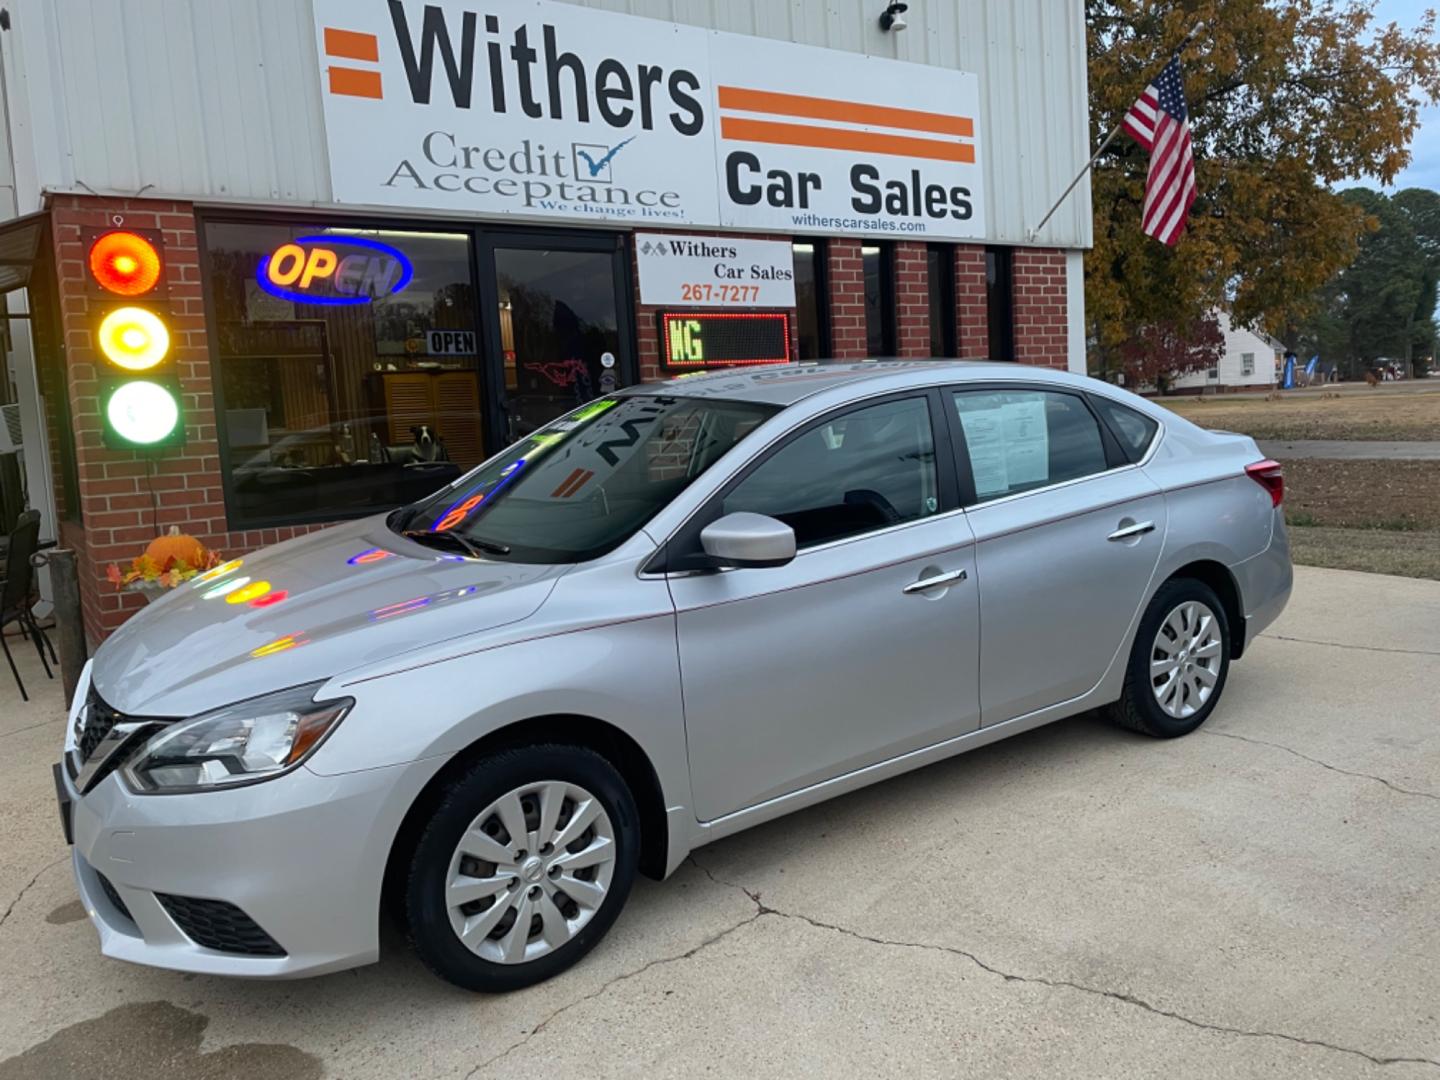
column 1260, row 899
column 1358, row 450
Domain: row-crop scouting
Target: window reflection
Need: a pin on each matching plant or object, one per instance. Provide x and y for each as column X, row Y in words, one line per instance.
column 558, row 320
column 348, row 366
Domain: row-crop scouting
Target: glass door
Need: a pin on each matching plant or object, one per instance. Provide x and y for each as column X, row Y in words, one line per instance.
column 561, row 334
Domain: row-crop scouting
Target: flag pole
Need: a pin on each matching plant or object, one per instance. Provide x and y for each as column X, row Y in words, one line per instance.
column 1035, row 232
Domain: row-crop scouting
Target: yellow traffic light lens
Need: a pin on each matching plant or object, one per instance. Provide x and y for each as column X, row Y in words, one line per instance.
column 125, row 263
column 142, row 412
column 133, row 338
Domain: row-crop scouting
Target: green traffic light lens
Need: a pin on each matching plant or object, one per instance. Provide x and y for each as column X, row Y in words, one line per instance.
column 142, row 412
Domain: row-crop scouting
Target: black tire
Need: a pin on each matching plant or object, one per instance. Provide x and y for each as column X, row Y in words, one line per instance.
column 426, row 915
column 1137, row 708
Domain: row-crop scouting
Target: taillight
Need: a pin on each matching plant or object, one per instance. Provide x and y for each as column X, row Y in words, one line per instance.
column 1271, row 476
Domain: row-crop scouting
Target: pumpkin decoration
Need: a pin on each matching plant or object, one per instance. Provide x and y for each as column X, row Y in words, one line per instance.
column 166, row 562
column 177, row 546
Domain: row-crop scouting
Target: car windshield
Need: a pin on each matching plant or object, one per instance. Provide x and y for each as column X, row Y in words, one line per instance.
column 583, row 484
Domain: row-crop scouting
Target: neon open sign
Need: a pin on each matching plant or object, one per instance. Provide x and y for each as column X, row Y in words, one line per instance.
column 334, row 270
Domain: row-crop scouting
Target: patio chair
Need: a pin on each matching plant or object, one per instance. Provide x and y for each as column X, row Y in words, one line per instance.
column 16, row 592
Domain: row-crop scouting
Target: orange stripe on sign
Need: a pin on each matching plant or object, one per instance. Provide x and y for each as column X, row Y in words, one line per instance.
column 351, row 44
column 355, row 83
column 854, row 112
column 572, row 483
column 766, row 131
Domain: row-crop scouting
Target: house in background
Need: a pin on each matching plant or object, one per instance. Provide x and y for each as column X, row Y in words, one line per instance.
column 1250, row 361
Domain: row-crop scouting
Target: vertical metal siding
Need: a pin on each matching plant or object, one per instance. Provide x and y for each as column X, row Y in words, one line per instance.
column 220, row 99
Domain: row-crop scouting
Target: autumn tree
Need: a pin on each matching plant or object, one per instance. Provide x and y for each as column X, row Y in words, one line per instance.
column 1155, row 354
column 1287, row 100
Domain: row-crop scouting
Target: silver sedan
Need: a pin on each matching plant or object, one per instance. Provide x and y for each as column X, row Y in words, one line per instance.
column 675, row 613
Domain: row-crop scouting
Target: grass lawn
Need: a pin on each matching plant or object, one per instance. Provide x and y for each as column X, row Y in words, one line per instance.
column 1408, row 554
column 1378, row 516
column 1352, row 413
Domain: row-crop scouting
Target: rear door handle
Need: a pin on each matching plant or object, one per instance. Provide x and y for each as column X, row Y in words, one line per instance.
column 1127, row 532
column 936, row 582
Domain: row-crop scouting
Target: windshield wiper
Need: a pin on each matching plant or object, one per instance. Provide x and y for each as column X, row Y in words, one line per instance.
column 476, row 549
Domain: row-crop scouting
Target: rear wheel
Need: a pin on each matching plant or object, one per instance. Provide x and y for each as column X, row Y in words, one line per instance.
column 1179, row 662
column 523, row 868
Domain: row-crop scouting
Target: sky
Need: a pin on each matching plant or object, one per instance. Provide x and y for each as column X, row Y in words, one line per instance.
column 1424, row 170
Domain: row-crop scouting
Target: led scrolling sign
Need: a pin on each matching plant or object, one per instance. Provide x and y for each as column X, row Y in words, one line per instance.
column 695, row 340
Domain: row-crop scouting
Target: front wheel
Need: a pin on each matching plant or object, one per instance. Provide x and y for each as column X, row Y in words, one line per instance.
column 1178, row 664
column 523, row 868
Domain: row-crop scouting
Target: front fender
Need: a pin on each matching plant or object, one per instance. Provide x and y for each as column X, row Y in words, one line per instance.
column 625, row 673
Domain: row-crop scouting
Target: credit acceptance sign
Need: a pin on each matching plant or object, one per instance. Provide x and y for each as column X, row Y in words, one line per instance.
column 709, row 271
column 546, row 110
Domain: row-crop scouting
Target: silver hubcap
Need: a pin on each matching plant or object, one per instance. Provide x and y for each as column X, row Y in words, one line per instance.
column 1185, row 659
column 530, row 871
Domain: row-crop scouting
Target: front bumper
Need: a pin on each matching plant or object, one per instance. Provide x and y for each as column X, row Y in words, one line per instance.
column 302, row 855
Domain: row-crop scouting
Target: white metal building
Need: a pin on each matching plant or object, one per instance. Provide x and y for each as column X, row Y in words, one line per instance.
column 374, row 219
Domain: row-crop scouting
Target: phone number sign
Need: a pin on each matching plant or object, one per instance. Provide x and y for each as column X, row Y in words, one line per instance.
column 708, row 271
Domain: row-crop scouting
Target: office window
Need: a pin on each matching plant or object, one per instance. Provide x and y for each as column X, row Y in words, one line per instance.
column 1247, row 363
column 941, row 277
column 878, row 261
column 810, row 299
column 346, row 367
column 1000, row 301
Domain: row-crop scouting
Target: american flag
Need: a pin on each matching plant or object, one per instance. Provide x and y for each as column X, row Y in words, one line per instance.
column 1160, row 122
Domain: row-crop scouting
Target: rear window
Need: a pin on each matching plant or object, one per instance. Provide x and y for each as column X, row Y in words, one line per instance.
column 1134, row 430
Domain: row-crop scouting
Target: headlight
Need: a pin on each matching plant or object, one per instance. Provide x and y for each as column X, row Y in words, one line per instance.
column 239, row 744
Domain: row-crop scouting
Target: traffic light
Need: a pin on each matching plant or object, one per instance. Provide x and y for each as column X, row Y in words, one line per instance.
column 140, row 402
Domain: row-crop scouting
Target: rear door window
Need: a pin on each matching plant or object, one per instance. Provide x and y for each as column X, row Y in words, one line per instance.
column 1019, row 440
column 1134, row 430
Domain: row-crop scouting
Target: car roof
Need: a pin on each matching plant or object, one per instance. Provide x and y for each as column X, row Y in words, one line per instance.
column 786, row 384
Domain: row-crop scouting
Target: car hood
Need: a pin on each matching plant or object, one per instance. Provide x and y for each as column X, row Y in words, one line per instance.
column 303, row 611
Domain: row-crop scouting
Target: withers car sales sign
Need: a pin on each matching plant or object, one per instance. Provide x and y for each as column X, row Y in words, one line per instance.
column 547, row 110
column 711, row 271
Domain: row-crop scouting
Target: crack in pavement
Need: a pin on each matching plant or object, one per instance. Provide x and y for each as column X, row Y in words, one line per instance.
column 21, row 894
column 762, row 909
column 624, row 977
column 1128, row 999
column 1324, row 764
column 31, row 727
column 1343, row 645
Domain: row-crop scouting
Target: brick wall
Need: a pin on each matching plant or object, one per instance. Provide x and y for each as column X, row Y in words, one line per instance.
column 912, row 300
column 846, row 273
column 127, row 497
column 972, row 335
column 1041, row 329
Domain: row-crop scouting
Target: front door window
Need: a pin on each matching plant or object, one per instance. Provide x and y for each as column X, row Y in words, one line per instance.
column 862, row 471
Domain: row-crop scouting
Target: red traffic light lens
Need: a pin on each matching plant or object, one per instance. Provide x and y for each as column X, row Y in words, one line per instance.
column 125, row 263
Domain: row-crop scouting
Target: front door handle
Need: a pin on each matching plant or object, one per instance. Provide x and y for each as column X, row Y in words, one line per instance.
column 936, row 582
column 1129, row 532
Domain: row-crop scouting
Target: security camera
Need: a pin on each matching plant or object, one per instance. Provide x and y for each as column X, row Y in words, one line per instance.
column 893, row 17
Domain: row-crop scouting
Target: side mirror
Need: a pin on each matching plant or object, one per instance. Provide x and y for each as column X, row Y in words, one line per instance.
column 748, row 540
